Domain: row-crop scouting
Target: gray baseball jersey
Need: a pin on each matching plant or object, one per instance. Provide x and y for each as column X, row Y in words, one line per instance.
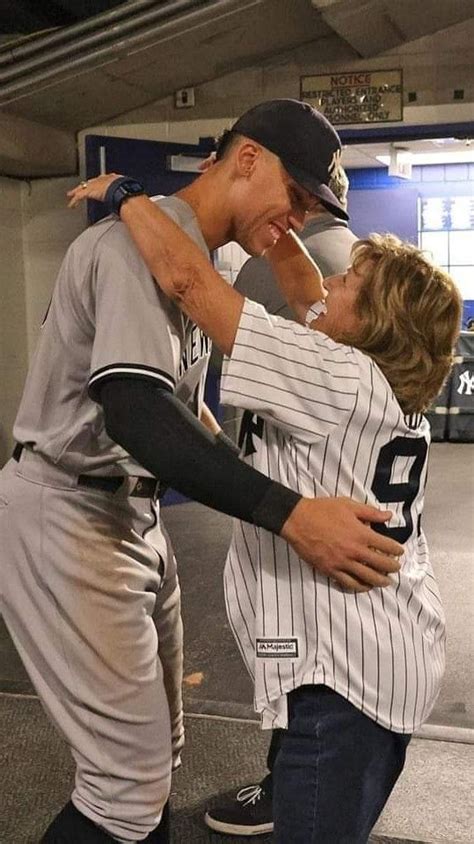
column 107, row 316
column 88, row 581
column 329, row 424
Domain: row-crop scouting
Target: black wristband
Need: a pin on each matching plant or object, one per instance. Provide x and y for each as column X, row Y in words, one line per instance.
column 162, row 435
column 225, row 440
column 119, row 190
column 275, row 507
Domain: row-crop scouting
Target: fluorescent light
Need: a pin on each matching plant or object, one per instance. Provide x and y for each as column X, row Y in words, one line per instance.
column 184, row 163
column 417, row 158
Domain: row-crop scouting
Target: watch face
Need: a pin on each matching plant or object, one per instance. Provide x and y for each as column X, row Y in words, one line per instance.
column 132, row 188
column 123, row 191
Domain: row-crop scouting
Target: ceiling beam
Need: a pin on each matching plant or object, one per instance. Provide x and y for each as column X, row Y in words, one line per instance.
column 372, row 27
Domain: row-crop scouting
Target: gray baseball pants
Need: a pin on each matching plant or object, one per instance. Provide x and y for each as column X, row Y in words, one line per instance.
column 90, row 595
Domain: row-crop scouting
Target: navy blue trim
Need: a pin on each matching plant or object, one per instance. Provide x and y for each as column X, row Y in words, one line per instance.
column 373, row 178
column 138, row 371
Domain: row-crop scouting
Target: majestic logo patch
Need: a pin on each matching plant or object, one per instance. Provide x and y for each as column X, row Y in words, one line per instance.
column 277, row 648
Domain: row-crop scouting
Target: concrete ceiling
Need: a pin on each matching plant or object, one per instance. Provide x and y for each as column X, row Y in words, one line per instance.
column 31, row 17
column 106, row 72
column 79, row 90
column 142, row 51
column 374, row 26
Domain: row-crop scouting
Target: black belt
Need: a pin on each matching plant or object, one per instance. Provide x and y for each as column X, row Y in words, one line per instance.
column 143, row 487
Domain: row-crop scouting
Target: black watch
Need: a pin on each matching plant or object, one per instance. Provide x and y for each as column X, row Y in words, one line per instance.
column 121, row 189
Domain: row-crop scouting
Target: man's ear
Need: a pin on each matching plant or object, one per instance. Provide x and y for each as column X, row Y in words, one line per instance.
column 247, row 155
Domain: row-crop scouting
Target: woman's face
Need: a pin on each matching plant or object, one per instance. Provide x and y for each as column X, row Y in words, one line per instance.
column 341, row 315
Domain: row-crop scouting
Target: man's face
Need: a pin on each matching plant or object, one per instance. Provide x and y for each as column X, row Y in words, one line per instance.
column 268, row 203
column 342, row 293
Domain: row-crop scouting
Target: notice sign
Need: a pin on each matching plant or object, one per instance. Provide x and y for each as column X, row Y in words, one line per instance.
column 356, row 96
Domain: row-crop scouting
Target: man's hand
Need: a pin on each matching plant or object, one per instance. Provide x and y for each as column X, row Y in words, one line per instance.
column 333, row 536
column 91, row 189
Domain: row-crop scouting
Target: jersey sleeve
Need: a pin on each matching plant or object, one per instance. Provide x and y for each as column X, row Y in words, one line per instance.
column 138, row 332
column 296, row 378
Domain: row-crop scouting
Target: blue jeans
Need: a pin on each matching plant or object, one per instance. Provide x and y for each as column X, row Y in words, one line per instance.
column 333, row 771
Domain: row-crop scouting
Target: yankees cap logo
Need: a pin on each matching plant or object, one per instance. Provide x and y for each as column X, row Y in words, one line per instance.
column 335, row 161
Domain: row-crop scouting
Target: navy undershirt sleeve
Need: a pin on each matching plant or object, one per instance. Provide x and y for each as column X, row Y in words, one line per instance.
column 161, row 434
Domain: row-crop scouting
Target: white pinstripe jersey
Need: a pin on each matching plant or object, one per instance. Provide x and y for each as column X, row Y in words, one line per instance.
column 327, row 423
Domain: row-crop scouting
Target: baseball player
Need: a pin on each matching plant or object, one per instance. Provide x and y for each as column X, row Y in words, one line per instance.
column 333, row 407
column 248, row 809
column 88, row 584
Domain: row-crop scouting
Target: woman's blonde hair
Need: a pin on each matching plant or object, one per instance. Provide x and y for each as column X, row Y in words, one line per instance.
column 410, row 313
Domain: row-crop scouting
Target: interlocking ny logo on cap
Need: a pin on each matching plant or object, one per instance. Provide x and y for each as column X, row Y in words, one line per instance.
column 335, row 161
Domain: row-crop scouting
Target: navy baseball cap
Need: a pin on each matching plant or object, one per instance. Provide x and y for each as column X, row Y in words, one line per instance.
column 305, row 142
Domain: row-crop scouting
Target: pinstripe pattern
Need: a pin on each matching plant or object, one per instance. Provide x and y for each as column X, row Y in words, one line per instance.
column 328, row 414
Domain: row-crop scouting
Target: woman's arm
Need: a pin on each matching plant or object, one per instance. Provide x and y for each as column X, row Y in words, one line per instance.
column 299, row 277
column 186, row 276
column 178, row 265
column 183, row 271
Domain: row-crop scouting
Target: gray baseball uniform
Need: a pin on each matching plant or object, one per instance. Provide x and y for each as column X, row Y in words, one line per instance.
column 88, row 583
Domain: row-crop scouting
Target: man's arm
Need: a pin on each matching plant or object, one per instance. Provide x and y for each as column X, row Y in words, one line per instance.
column 166, row 438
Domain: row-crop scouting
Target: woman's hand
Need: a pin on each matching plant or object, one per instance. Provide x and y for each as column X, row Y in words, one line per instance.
column 91, row 189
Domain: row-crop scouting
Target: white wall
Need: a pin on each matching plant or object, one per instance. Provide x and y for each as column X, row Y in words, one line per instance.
column 13, row 346
column 35, row 230
column 48, row 229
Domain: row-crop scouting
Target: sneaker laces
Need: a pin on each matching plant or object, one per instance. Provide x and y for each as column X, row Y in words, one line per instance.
column 250, row 794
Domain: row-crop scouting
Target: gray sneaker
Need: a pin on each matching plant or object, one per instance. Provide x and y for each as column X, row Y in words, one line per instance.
column 247, row 811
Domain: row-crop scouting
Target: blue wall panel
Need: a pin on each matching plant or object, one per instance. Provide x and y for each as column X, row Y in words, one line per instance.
column 380, row 211
column 382, row 203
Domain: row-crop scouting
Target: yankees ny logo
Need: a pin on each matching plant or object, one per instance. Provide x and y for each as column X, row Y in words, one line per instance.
column 335, row 161
column 466, row 383
column 251, row 426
